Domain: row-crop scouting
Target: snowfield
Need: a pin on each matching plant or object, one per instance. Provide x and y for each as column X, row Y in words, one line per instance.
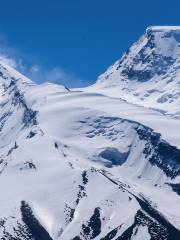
column 87, row 163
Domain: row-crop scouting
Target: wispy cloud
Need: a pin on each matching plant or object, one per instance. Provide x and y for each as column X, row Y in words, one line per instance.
column 55, row 75
column 9, row 55
column 9, row 61
column 37, row 72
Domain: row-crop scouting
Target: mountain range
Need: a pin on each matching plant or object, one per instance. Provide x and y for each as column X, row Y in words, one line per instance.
column 101, row 162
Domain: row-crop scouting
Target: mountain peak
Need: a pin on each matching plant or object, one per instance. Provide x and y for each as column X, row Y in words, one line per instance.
column 163, row 28
column 153, row 54
column 148, row 73
column 164, row 37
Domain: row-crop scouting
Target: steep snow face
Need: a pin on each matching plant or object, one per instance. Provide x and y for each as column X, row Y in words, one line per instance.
column 149, row 72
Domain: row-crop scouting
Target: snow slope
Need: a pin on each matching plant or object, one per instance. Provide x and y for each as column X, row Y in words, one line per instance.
column 149, row 72
column 79, row 165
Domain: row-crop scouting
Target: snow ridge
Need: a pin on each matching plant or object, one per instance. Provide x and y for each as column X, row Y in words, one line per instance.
column 148, row 73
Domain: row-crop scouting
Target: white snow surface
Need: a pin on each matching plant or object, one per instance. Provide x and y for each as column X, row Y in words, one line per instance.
column 72, row 155
column 148, row 74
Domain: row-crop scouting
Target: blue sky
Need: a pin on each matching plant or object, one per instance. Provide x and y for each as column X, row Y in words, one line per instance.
column 71, row 42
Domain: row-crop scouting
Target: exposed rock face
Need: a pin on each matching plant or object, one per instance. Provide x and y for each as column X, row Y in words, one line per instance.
column 148, row 73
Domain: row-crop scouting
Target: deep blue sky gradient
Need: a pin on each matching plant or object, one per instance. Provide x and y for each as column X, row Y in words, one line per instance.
column 82, row 37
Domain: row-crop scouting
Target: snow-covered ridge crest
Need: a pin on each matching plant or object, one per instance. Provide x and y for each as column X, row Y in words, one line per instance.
column 148, row 73
column 165, row 39
column 164, row 28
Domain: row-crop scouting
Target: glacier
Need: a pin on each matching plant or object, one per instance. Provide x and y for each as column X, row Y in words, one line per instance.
column 101, row 162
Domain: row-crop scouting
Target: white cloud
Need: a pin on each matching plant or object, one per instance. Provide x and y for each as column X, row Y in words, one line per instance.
column 34, row 68
column 36, row 72
column 39, row 74
column 9, row 55
column 54, row 75
column 58, row 75
column 16, row 63
column 9, row 61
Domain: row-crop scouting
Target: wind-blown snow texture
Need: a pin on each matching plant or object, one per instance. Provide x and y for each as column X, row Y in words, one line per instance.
column 80, row 164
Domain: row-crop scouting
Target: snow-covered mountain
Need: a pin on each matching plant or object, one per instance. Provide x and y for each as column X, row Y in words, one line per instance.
column 149, row 72
column 80, row 165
